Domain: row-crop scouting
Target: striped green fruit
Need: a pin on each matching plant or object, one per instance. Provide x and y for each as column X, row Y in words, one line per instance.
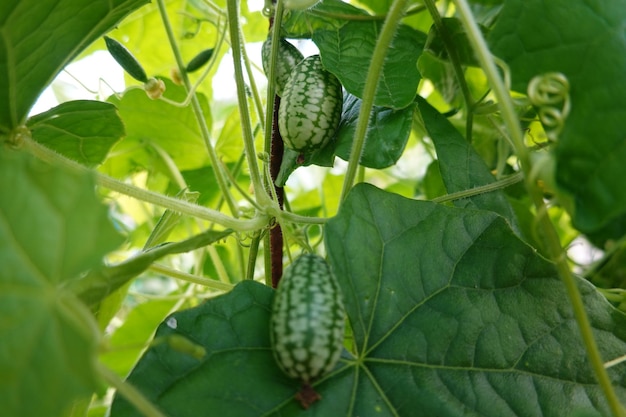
column 310, row 109
column 126, row 59
column 288, row 57
column 307, row 321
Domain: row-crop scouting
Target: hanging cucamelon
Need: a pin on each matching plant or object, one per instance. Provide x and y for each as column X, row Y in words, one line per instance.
column 199, row 60
column 310, row 109
column 126, row 59
column 287, row 58
column 307, row 321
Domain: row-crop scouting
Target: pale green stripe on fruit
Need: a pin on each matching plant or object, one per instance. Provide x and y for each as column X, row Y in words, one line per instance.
column 307, row 319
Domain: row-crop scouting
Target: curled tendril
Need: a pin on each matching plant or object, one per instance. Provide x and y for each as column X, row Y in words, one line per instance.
column 550, row 94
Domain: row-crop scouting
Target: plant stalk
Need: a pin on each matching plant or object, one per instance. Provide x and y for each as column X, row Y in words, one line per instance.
column 551, row 238
column 132, row 394
column 179, row 206
column 373, row 75
column 244, row 114
column 457, row 67
column 197, row 110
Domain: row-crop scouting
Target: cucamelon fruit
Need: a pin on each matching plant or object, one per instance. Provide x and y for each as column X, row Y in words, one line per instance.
column 310, row 109
column 288, row 57
column 199, row 60
column 307, row 320
column 126, row 59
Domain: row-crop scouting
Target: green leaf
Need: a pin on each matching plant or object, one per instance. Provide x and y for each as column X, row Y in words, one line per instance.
column 586, row 43
column 432, row 185
column 325, row 15
column 234, row 329
column 456, row 33
column 129, row 340
column 38, row 38
column 475, row 325
column 461, row 166
column 52, row 228
column 480, row 323
column 103, row 280
column 81, row 130
column 347, row 53
column 378, row 6
column 154, row 125
column 386, row 136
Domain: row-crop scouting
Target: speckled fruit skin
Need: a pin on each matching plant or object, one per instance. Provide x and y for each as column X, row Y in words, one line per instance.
column 310, row 109
column 288, row 57
column 307, row 321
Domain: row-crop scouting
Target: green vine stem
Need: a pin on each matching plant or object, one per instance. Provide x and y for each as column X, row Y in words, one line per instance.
column 132, row 394
column 179, row 206
column 394, row 16
column 455, row 61
column 235, row 41
column 551, row 238
column 487, row 188
column 194, row 279
column 197, row 109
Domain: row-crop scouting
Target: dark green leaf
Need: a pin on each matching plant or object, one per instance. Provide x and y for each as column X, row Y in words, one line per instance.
column 81, row 130
column 234, row 329
column 154, row 125
column 347, row 53
column 52, row 228
column 386, row 136
column 302, row 24
column 203, row 180
column 457, row 36
column 480, row 325
column 38, row 38
column 584, row 41
column 441, row 74
column 432, row 185
column 460, row 166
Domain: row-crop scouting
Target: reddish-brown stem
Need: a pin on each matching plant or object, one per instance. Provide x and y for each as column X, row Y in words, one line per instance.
column 276, row 158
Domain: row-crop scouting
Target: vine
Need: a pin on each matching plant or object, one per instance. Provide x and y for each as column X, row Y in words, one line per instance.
column 551, row 238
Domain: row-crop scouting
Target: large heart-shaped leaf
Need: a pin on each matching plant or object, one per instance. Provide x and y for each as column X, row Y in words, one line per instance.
column 451, row 315
column 51, row 230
